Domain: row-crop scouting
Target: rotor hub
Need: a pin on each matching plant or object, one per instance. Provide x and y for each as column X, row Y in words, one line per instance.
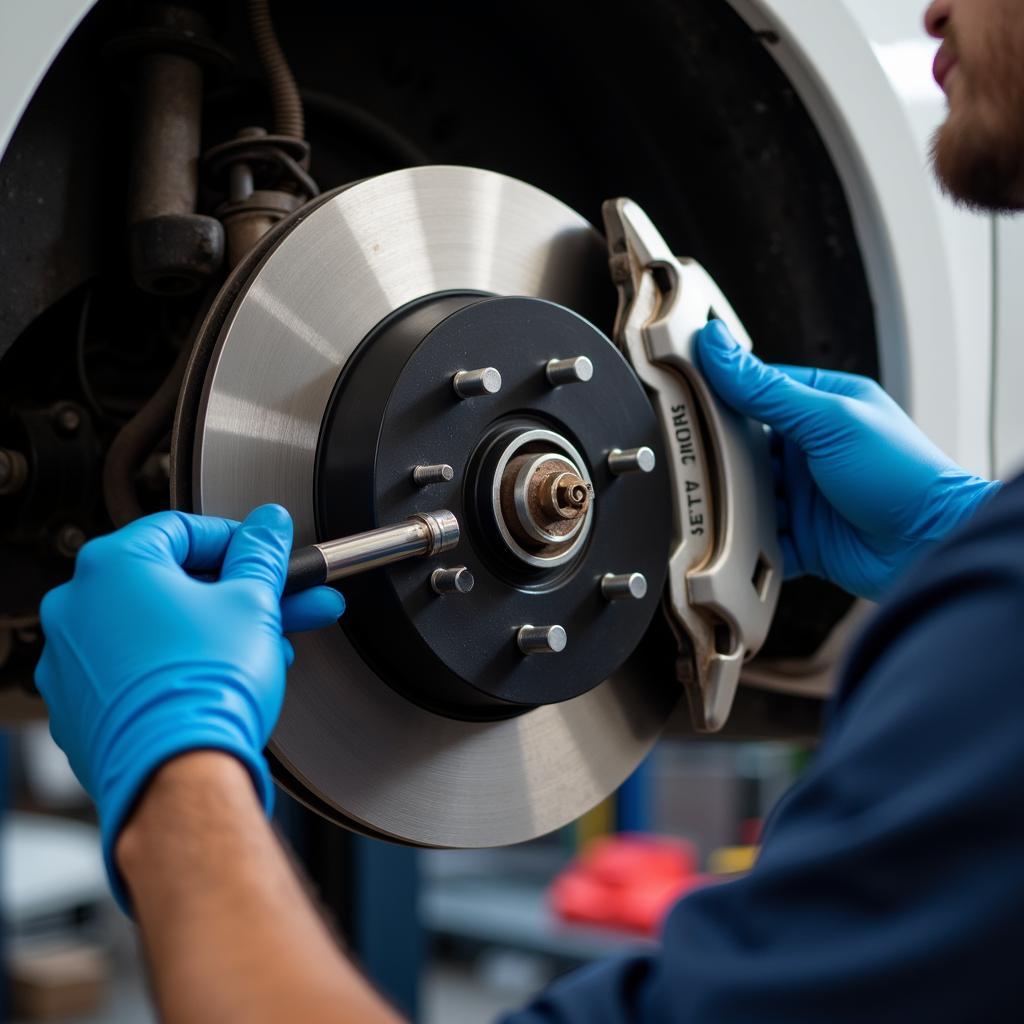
column 542, row 499
column 545, row 518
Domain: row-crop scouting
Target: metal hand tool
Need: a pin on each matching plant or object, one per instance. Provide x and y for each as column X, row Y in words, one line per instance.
column 425, row 534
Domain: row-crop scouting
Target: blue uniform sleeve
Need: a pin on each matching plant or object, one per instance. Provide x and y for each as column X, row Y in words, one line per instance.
column 890, row 886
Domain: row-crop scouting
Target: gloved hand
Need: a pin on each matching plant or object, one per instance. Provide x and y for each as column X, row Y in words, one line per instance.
column 861, row 490
column 144, row 662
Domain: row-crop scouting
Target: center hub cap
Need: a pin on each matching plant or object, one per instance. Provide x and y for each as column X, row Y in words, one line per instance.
column 542, row 502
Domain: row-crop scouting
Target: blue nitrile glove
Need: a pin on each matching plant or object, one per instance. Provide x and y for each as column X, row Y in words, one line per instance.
column 144, row 662
column 861, row 490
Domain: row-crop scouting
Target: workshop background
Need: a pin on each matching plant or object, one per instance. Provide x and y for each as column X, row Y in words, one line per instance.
column 793, row 164
column 452, row 936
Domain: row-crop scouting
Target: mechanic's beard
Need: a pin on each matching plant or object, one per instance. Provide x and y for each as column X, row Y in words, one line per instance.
column 978, row 153
column 981, row 165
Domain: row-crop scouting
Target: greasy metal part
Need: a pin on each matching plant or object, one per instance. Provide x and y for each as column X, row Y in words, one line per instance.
column 13, row 471
column 173, row 249
column 261, row 155
column 266, row 174
column 539, row 512
column 560, row 495
column 532, row 537
column 247, row 221
column 726, row 570
column 578, row 370
column 477, row 383
column 631, row 586
column 423, row 476
column 249, row 212
column 347, row 743
column 633, row 460
column 458, row 580
column 541, row 639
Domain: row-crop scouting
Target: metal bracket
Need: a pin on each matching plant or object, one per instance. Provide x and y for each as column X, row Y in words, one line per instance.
column 725, row 571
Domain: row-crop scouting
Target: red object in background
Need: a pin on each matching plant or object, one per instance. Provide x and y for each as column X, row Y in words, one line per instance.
column 627, row 881
column 750, row 831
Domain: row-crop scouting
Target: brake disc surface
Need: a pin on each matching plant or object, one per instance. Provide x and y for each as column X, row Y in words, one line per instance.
column 348, row 744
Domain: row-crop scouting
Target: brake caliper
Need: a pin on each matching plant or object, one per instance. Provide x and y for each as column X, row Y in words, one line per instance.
column 725, row 569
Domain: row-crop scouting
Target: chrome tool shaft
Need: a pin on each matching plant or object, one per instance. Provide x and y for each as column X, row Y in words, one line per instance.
column 425, row 534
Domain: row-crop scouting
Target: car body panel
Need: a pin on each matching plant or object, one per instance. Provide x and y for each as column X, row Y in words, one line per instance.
column 863, row 70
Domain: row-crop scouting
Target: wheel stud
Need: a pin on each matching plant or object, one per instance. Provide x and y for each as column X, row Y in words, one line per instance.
column 633, row 460
column 541, row 639
column 440, row 474
column 477, row 383
column 458, row 580
column 577, row 370
column 632, row 585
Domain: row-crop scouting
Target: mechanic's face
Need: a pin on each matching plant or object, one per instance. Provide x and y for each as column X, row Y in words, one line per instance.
column 979, row 151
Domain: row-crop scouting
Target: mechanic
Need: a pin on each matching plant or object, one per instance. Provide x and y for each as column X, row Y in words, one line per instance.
column 890, row 886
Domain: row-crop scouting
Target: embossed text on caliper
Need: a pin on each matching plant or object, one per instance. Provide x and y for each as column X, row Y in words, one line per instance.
column 725, row 570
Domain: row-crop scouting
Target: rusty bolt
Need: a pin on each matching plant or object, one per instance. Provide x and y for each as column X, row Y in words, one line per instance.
column 563, row 496
column 570, row 494
column 69, row 540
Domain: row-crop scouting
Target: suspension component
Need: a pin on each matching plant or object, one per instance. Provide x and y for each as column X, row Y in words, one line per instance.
column 173, row 249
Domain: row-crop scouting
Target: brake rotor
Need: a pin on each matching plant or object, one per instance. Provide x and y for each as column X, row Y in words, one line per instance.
column 322, row 378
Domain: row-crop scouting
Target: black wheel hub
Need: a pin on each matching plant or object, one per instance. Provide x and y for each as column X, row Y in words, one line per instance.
column 395, row 408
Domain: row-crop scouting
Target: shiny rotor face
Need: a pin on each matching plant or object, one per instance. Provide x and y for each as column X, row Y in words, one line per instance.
column 353, row 745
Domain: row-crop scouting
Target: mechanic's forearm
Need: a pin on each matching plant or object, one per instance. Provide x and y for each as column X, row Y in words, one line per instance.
column 229, row 933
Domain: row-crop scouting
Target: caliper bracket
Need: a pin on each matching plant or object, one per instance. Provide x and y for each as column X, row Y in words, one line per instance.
column 725, row 569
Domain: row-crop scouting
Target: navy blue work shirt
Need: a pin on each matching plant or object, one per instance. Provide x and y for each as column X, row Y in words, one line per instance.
column 890, row 885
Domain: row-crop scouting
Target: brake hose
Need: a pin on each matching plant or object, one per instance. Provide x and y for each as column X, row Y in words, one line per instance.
column 284, row 93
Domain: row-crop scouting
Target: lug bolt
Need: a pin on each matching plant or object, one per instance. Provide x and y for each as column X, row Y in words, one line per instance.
column 68, row 419
column 541, row 639
column 633, row 460
column 577, row 370
column 632, row 585
column 424, row 475
column 477, row 383
column 452, row 581
column 69, row 540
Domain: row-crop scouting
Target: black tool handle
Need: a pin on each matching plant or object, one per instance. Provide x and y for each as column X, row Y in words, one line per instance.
column 307, row 568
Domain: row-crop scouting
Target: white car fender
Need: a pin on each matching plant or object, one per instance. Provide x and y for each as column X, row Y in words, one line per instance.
column 863, row 70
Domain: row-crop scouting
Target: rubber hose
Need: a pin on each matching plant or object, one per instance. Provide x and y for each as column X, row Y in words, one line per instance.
column 284, row 94
column 374, row 128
